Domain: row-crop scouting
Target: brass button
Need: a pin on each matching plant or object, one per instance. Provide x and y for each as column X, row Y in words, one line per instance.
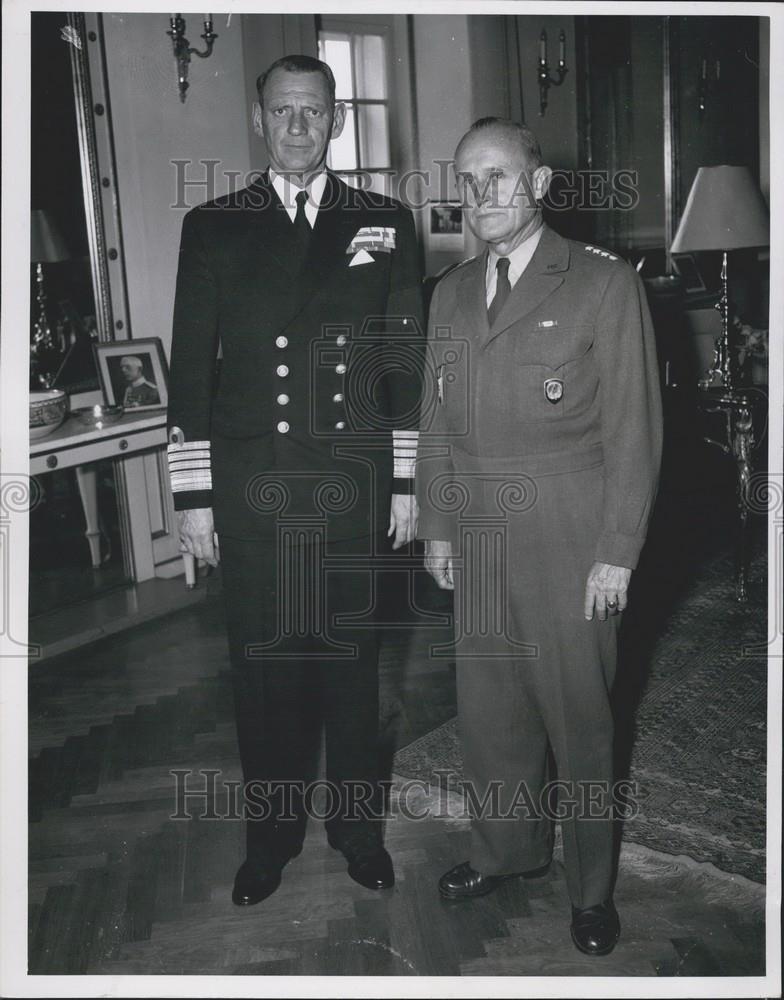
column 338, row 397
column 340, row 369
column 340, row 425
column 282, row 342
column 283, row 427
column 283, row 399
column 341, row 340
column 282, row 370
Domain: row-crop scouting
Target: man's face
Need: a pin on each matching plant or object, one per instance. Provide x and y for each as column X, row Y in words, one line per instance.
column 297, row 121
column 130, row 370
column 497, row 188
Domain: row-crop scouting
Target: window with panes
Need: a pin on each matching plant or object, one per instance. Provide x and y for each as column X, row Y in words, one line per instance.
column 358, row 60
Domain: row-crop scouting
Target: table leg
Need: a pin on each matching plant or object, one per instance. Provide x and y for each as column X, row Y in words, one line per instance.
column 189, row 562
column 88, row 491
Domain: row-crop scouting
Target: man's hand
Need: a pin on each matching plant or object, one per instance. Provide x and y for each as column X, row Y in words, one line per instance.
column 606, row 590
column 438, row 563
column 196, row 534
column 403, row 517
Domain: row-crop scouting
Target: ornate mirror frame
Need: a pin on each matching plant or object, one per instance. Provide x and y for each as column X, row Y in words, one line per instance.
column 103, row 220
column 99, row 177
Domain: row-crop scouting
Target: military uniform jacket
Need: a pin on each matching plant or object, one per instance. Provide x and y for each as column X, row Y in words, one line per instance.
column 320, row 363
column 565, row 379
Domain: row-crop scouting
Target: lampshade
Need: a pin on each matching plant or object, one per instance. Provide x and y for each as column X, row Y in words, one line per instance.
column 47, row 245
column 724, row 211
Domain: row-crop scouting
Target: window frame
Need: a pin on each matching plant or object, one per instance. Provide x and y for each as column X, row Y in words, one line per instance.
column 339, row 27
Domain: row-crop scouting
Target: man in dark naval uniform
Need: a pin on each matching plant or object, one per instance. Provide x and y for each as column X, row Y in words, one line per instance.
column 312, row 291
column 537, row 468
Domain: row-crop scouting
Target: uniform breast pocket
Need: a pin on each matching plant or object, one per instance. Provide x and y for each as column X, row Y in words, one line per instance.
column 554, row 372
column 363, row 266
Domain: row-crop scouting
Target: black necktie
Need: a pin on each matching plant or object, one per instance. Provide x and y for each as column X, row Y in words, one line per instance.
column 302, row 230
column 502, row 289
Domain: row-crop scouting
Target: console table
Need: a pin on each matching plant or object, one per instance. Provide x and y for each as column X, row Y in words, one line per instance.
column 74, row 445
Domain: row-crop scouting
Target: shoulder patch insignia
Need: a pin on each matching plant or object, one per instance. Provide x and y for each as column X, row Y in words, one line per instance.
column 601, row 253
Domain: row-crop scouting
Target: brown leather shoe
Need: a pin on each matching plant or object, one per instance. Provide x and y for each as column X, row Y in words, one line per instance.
column 596, row 929
column 464, row 882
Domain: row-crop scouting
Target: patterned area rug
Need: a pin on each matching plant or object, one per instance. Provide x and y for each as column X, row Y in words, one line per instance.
column 697, row 746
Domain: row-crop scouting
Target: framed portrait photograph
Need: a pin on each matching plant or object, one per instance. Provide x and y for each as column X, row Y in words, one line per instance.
column 445, row 225
column 686, row 266
column 133, row 373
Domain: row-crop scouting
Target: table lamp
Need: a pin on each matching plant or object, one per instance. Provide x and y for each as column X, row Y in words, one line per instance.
column 47, row 246
column 724, row 211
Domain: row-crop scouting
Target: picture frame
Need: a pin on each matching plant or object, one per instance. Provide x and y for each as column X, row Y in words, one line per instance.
column 77, row 371
column 445, row 225
column 686, row 267
column 133, row 373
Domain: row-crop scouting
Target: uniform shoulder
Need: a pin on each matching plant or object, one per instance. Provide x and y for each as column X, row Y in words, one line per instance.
column 589, row 251
column 598, row 264
column 256, row 195
column 453, row 272
column 374, row 201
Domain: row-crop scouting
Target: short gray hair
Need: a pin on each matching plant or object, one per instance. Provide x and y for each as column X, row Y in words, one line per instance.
column 528, row 140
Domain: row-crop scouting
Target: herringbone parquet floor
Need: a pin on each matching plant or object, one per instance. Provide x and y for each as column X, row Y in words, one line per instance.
column 118, row 886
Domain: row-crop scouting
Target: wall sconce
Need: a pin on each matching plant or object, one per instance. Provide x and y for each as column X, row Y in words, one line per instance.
column 183, row 50
column 705, row 85
column 543, row 70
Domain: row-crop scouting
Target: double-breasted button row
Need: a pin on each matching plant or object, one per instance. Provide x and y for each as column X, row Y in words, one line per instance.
column 340, row 369
column 282, row 371
column 283, row 399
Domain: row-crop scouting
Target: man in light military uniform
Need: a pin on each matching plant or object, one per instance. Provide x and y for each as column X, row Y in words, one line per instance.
column 543, row 354
column 303, row 448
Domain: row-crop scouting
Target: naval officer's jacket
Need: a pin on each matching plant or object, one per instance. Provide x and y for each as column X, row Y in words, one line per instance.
column 565, row 378
column 320, row 366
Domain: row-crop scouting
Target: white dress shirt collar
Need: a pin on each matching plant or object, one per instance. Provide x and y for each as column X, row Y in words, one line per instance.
column 519, row 259
column 287, row 192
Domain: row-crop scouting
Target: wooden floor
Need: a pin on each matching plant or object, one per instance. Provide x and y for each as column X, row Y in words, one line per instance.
column 117, row 886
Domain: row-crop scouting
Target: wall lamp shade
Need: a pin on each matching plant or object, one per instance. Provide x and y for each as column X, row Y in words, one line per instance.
column 724, row 211
column 47, row 245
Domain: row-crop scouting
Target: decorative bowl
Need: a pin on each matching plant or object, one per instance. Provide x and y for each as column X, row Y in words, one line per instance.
column 47, row 411
column 98, row 416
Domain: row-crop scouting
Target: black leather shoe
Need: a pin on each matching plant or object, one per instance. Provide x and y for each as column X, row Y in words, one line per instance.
column 463, row 882
column 284, row 850
column 369, row 864
column 255, row 881
column 595, row 930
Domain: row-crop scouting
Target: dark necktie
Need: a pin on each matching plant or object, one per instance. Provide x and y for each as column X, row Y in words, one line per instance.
column 302, row 230
column 502, row 289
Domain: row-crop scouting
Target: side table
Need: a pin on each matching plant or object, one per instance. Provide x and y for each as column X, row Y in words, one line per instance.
column 74, row 445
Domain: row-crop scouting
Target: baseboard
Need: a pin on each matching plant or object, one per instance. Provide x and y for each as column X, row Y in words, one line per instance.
column 63, row 630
